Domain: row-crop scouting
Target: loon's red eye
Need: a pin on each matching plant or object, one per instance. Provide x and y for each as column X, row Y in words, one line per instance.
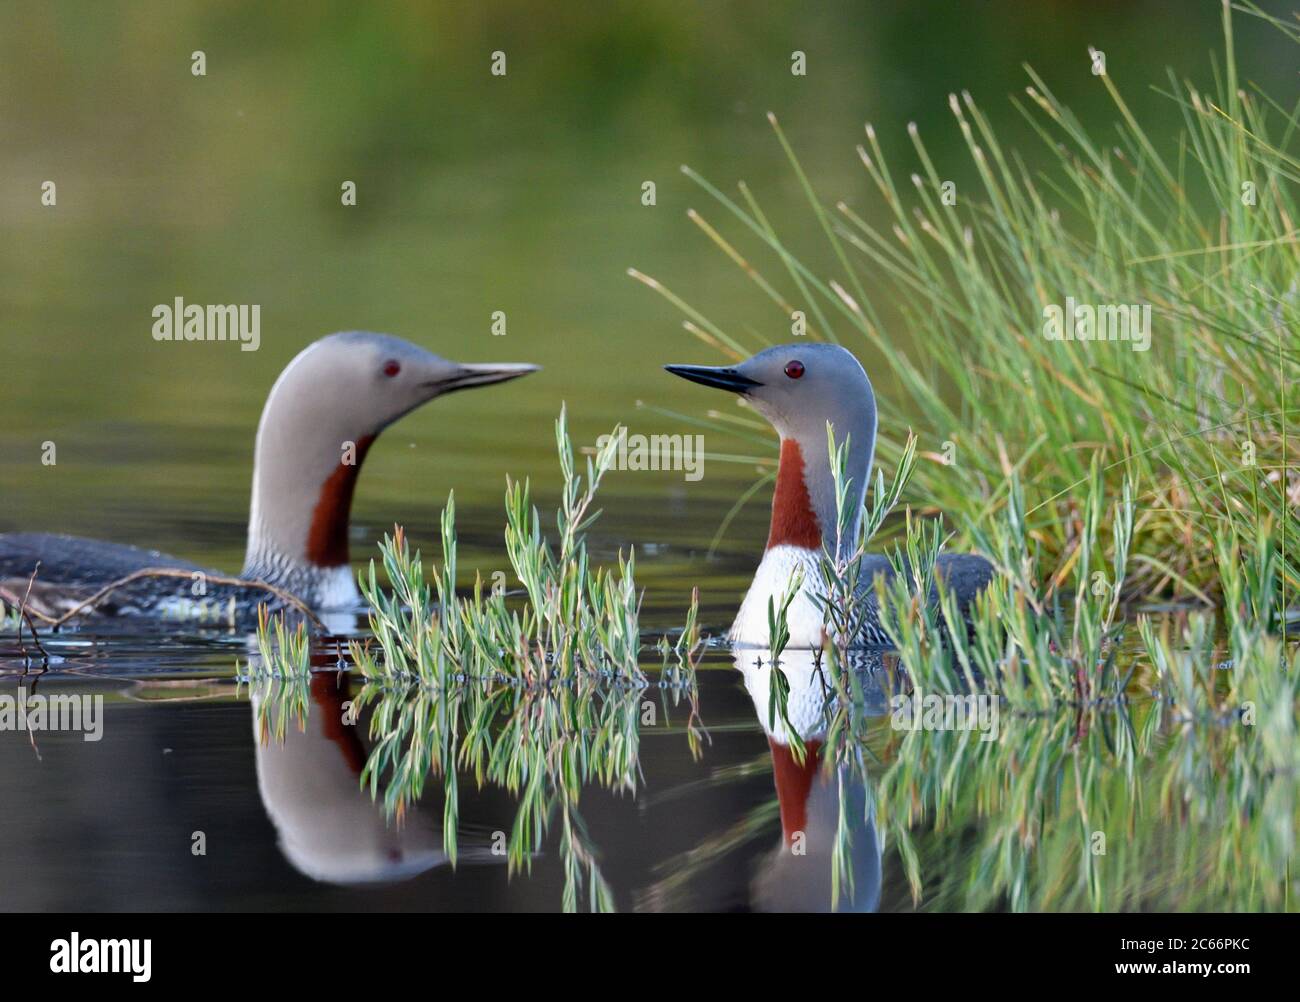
column 794, row 369
column 392, row 367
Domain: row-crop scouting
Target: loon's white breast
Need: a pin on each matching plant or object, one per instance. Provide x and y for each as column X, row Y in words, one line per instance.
column 778, row 568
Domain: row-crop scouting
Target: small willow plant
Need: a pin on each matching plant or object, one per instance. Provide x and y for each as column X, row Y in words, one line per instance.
column 574, row 619
column 682, row 656
column 845, row 594
column 285, row 652
column 1034, row 637
column 778, row 631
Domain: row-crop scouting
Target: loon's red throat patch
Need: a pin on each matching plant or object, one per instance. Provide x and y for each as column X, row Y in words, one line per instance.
column 793, row 521
column 794, row 781
column 327, row 539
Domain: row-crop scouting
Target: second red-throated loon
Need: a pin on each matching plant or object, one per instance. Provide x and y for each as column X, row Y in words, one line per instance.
column 324, row 411
column 799, row 388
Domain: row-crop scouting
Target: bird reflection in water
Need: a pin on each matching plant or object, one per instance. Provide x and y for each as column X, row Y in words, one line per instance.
column 828, row 857
column 311, row 753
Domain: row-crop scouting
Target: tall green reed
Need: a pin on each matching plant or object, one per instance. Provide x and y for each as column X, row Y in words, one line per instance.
column 1201, row 418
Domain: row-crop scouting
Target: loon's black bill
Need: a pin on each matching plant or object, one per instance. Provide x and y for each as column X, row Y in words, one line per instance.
column 709, row 375
column 485, row 374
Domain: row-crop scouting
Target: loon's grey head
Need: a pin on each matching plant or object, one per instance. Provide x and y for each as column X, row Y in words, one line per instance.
column 798, row 388
column 326, row 408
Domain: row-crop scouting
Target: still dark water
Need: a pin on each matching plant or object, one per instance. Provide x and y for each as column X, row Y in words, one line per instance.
column 283, row 824
column 110, row 824
column 202, row 790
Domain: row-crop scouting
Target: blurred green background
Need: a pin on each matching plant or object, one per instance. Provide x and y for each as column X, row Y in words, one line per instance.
column 475, row 193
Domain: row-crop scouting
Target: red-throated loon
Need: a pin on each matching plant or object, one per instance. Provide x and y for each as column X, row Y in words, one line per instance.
column 324, row 411
column 798, row 388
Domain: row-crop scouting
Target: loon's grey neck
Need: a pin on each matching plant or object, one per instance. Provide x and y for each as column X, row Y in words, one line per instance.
column 297, row 536
column 305, row 468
